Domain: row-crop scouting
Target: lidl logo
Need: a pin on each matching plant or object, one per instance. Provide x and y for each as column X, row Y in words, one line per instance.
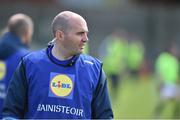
column 2, row 70
column 61, row 85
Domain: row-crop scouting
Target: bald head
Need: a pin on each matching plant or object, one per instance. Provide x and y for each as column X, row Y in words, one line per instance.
column 19, row 24
column 63, row 21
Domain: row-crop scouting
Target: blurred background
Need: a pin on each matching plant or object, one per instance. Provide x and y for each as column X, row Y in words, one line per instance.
column 138, row 41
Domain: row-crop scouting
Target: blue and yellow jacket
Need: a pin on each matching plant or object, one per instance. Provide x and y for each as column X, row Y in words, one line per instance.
column 11, row 51
column 45, row 87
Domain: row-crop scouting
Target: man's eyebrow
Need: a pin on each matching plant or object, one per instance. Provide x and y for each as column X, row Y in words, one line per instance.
column 83, row 31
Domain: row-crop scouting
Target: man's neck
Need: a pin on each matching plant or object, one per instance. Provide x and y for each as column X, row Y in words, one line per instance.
column 59, row 53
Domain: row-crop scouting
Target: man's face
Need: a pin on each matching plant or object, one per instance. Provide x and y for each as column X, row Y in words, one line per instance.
column 28, row 36
column 30, row 33
column 76, row 37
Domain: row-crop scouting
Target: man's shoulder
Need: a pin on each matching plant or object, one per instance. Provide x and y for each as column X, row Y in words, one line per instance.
column 22, row 52
column 35, row 55
column 89, row 59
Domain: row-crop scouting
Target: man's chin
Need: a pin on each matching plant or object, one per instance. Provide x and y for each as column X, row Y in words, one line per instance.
column 78, row 52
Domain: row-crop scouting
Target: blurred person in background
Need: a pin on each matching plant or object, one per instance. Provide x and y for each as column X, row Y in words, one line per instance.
column 135, row 57
column 13, row 45
column 60, row 82
column 167, row 73
column 113, row 51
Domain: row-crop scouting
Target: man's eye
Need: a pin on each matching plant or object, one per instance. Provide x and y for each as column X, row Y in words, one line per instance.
column 80, row 33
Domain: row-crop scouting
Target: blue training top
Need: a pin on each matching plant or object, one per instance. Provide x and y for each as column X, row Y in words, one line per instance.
column 11, row 51
column 45, row 87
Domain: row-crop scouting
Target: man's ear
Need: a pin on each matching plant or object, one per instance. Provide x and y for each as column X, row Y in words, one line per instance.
column 59, row 34
column 25, row 37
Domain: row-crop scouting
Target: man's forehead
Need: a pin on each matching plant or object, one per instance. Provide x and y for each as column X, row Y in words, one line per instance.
column 77, row 20
column 79, row 24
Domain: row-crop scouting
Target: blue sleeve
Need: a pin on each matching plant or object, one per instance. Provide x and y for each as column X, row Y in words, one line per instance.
column 101, row 106
column 15, row 104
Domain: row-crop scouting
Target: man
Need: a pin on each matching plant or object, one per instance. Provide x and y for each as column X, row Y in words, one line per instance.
column 60, row 82
column 13, row 46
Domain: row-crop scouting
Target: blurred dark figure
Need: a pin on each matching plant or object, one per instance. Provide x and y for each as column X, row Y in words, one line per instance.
column 112, row 52
column 13, row 45
column 167, row 72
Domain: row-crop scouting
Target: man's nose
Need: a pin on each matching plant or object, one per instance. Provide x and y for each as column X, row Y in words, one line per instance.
column 85, row 38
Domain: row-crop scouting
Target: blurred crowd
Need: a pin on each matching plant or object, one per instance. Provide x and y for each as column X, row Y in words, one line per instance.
column 124, row 55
